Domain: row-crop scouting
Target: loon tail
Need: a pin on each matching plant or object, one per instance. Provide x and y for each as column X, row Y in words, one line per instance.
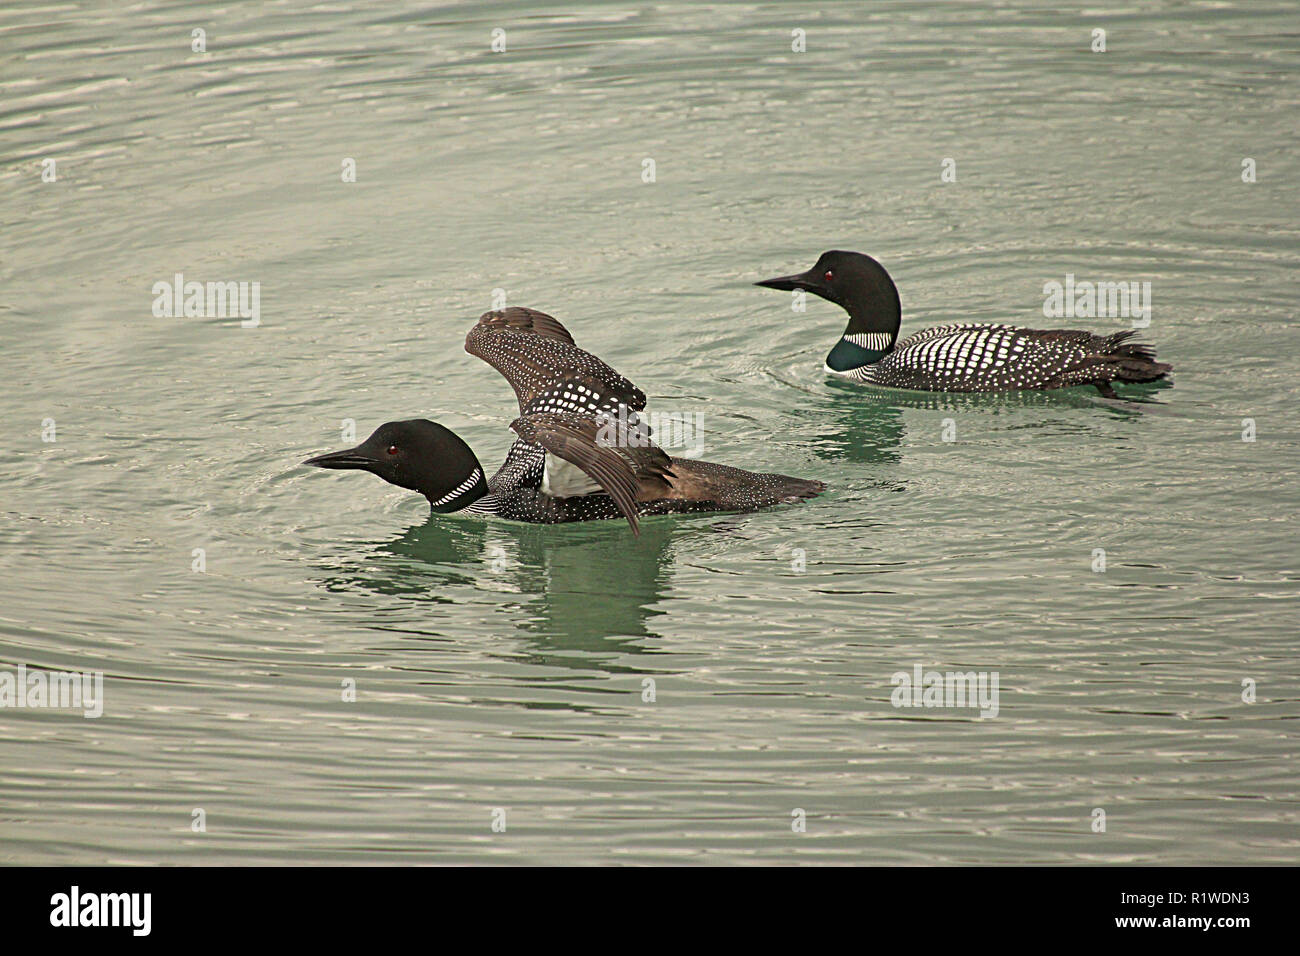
column 1119, row 360
column 723, row 488
column 794, row 489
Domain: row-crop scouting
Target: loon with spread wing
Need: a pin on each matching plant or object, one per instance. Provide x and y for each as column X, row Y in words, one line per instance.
column 583, row 453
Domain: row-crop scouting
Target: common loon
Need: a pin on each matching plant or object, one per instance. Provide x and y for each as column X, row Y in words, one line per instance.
column 959, row 358
column 582, row 454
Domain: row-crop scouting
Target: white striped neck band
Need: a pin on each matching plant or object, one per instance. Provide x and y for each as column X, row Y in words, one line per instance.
column 876, row 341
column 474, row 477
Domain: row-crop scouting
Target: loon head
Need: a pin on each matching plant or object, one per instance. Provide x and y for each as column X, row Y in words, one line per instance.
column 860, row 285
column 420, row 455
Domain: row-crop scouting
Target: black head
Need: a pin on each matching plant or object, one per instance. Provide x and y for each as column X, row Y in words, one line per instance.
column 855, row 282
column 420, row 455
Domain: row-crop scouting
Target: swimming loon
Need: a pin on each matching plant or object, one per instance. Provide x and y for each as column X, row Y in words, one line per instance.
column 582, row 454
column 959, row 358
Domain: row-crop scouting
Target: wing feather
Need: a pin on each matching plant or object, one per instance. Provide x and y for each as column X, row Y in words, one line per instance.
column 529, row 321
column 618, row 470
column 534, row 352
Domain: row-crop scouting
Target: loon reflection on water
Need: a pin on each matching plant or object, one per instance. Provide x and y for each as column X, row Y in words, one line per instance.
column 560, row 585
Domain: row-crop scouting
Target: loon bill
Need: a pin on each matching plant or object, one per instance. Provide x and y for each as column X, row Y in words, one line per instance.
column 582, row 454
column 968, row 357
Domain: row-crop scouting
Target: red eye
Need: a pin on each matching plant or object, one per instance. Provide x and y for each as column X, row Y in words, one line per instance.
column 829, row 275
column 392, row 449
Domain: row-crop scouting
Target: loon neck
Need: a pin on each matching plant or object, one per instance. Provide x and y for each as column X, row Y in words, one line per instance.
column 460, row 496
column 872, row 304
column 880, row 317
column 854, row 350
column 875, row 314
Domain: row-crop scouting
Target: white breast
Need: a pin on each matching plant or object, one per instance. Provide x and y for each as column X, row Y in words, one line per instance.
column 560, row 479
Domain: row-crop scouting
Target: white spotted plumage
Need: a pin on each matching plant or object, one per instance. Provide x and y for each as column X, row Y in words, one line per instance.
column 970, row 357
column 555, row 381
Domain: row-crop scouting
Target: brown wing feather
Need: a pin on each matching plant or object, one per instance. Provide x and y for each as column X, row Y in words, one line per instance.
column 527, row 320
column 619, row 471
column 533, row 351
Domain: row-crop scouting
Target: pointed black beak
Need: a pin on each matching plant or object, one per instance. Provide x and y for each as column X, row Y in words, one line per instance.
column 348, row 458
column 787, row 283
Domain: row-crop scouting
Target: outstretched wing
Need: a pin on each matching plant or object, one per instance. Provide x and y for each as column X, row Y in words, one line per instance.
column 531, row 321
column 535, row 353
column 620, row 469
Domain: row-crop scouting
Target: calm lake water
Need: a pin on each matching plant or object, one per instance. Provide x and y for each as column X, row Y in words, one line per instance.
column 503, row 667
